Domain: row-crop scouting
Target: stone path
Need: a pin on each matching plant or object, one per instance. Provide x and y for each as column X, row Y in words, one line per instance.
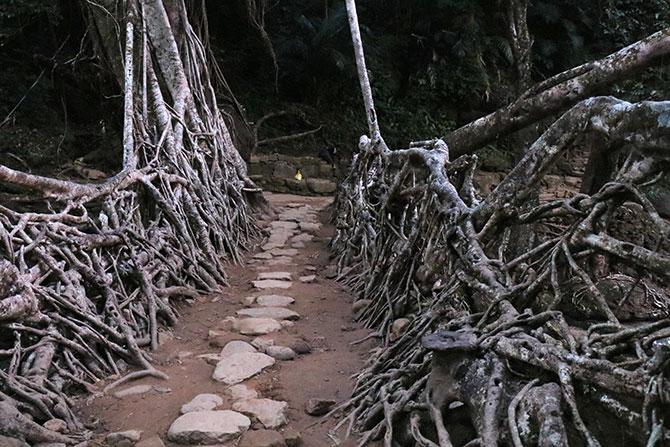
column 248, row 338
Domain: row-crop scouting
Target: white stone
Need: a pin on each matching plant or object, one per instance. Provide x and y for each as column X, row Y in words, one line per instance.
column 274, row 300
column 239, row 367
column 235, row 347
column 280, row 352
column 241, row 392
column 257, row 326
column 270, row 413
column 208, row 427
column 277, row 313
column 202, row 402
column 286, row 276
column 272, row 284
column 307, row 278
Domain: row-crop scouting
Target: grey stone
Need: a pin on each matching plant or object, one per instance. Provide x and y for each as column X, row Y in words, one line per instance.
column 263, row 255
column 280, row 352
column 319, row 407
column 284, row 251
column 298, row 244
column 202, row 402
column 208, row 427
column 272, row 284
column 235, row 347
column 261, row 343
column 301, row 347
column 241, row 392
column 359, row 306
column 277, row 313
column 270, row 413
column 286, row 276
column 210, row 359
column 154, row 441
column 309, row 227
column 307, row 279
column 262, row 438
column 284, row 224
column 257, row 326
column 239, row 367
column 399, row 326
column 126, row 438
column 133, row 390
column 303, row 237
column 283, row 260
column 274, row 300
column 249, row 300
column 293, row 438
column 321, row 186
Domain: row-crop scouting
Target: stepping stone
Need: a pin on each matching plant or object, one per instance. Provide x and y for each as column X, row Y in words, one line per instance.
column 257, row 326
column 310, row 227
column 311, row 268
column 280, row 261
column 270, row 413
column 249, row 301
column 307, row 279
column 280, row 352
column 261, row 343
column 271, row 284
column 235, row 347
column 208, row 427
column 241, row 392
column 263, row 255
column 262, row 438
column 303, row 237
column 239, row 367
column 274, row 300
column 284, row 251
column 284, row 224
column 286, row 276
column 202, row 402
column 277, row 313
column 298, row 244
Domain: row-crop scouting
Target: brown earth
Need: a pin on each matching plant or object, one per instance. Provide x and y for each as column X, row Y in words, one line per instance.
column 326, row 325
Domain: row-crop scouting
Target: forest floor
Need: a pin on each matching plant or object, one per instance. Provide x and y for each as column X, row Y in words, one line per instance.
column 325, row 327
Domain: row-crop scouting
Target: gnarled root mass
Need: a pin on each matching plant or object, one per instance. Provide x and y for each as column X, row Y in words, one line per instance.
column 91, row 271
column 565, row 342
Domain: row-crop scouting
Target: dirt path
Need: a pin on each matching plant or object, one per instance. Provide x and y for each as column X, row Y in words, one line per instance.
column 324, row 327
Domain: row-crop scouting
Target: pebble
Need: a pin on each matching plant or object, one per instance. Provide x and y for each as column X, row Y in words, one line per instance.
column 57, row 425
column 123, row 438
column 202, row 402
column 270, row 413
column 208, row 427
column 241, row 366
column 319, row 407
column 280, row 352
column 301, row 347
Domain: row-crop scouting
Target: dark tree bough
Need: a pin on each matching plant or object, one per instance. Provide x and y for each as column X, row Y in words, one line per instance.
column 91, row 271
column 415, row 240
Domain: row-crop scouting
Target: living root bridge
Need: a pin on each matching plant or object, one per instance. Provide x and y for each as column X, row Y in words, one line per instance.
column 92, row 271
column 565, row 343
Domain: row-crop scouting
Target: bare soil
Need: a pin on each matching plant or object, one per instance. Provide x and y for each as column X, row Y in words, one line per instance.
column 326, row 325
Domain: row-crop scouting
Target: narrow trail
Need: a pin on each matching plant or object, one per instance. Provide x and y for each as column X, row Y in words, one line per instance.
column 308, row 313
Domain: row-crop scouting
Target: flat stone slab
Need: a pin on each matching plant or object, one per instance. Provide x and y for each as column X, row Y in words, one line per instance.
column 202, row 402
column 257, row 326
column 262, row 438
column 284, row 251
column 274, row 300
column 263, row 255
column 286, row 276
column 208, row 427
column 302, row 237
column 277, row 313
column 235, row 347
column 284, row 224
column 239, row 367
column 272, row 284
column 280, row 352
column 307, row 278
column 270, row 413
column 241, row 392
column 279, row 261
column 310, row 227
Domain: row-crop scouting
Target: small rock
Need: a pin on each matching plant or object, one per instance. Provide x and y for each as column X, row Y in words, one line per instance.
column 280, row 352
column 277, row 313
column 303, row 237
column 280, row 261
column 270, row 413
column 218, row 339
column 319, row 407
column 202, row 402
column 331, row 272
column 284, row 251
column 310, row 227
column 263, row 255
column 262, row 438
column 359, row 306
column 226, row 324
column 399, row 326
column 284, row 224
column 287, row 323
column 235, row 347
column 321, row 186
column 272, row 284
column 208, row 427
column 274, row 300
column 241, row 366
column 162, row 389
column 293, row 438
column 123, row 438
column 151, row 442
column 301, row 347
column 241, row 392
column 261, row 343
column 257, row 326
column 133, row 390
column 249, row 301
column 57, row 425
column 285, row 276
column 307, row 278
column 210, row 359
column 347, row 328
column 311, row 268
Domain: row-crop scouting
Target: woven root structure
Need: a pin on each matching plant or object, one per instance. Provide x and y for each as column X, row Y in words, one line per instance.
column 530, row 324
column 91, row 271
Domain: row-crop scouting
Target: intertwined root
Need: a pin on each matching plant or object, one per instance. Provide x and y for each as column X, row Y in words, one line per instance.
column 565, row 340
column 92, row 271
